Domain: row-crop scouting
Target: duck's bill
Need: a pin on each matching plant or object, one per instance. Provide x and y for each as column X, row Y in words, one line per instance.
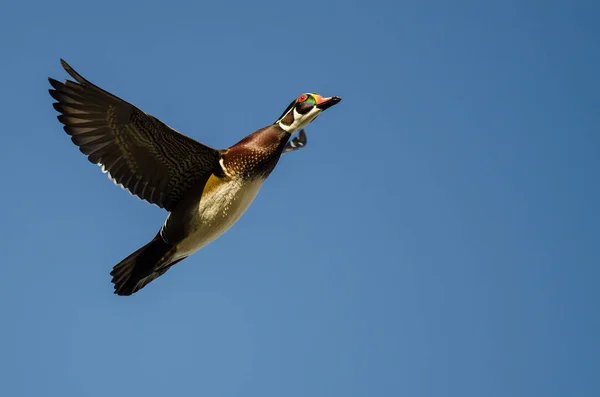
column 326, row 103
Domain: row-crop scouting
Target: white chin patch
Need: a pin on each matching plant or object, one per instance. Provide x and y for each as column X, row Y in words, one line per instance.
column 288, row 128
column 300, row 120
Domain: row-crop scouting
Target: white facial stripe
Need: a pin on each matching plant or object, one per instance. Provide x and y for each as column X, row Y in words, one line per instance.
column 300, row 120
column 288, row 128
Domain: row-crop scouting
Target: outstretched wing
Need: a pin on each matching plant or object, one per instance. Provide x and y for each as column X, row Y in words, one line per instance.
column 296, row 143
column 139, row 152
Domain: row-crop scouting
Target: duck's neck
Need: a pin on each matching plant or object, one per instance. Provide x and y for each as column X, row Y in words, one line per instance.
column 257, row 154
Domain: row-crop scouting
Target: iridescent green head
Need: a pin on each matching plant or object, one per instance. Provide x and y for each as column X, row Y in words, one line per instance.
column 303, row 110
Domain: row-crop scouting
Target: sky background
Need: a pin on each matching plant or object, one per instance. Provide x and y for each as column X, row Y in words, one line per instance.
column 438, row 236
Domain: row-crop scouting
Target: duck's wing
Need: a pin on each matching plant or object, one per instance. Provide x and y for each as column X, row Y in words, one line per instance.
column 297, row 142
column 138, row 151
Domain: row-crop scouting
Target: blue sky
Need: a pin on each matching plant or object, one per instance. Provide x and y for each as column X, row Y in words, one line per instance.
column 438, row 236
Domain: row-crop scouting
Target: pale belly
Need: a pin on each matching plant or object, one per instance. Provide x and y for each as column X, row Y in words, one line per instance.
column 218, row 210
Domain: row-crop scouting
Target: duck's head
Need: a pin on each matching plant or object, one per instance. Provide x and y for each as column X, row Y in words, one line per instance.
column 303, row 110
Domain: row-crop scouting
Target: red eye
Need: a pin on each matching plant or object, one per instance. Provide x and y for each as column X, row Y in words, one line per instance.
column 302, row 98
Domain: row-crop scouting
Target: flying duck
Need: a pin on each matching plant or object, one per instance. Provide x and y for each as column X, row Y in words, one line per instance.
column 205, row 190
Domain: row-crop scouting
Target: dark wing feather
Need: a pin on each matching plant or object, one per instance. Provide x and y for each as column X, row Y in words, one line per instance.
column 296, row 143
column 144, row 155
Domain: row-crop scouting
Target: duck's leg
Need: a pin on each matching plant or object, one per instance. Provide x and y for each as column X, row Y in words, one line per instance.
column 297, row 142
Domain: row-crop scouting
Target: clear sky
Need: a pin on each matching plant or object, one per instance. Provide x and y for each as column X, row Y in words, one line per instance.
column 438, row 236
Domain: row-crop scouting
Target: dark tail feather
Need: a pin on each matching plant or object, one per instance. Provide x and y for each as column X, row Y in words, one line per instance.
column 144, row 265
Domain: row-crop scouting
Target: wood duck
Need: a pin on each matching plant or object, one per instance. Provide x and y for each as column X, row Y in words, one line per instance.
column 205, row 190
